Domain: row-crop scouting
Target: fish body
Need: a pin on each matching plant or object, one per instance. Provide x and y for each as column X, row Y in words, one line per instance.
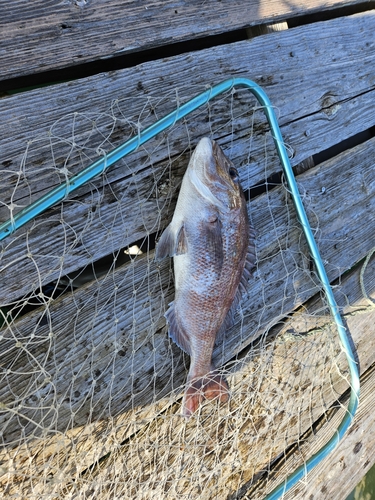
column 209, row 239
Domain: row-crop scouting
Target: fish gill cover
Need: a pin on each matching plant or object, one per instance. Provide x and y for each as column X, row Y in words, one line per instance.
column 91, row 383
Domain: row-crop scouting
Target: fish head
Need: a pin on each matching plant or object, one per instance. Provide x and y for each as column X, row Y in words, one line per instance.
column 214, row 176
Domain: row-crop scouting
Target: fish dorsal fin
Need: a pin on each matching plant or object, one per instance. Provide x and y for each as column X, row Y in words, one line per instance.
column 248, row 269
column 176, row 331
column 170, row 244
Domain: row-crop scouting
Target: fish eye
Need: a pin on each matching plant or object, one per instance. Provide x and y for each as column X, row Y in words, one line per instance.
column 233, row 173
column 213, row 218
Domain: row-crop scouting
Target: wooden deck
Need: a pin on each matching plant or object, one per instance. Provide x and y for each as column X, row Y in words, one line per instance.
column 90, row 384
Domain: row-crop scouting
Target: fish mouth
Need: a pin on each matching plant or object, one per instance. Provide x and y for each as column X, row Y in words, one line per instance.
column 211, row 164
column 204, row 150
column 209, row 173
column 202, row 166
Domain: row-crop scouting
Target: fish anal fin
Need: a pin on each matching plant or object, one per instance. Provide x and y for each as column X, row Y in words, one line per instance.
column 176, row 331
column 170, row 245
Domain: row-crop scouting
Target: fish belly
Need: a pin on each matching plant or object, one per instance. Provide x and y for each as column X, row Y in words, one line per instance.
column 201, row 307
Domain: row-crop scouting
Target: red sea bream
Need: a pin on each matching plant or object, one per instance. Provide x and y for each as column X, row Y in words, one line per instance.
column 212, row 246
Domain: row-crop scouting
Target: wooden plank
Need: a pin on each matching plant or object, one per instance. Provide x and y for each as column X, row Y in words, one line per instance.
column 341, row 471
column 92, row 344
column 97, row 96
column 342, row 242
column 148, row 461
column 292, row 366
column 352, row 458
column 45, row 36
column 312, row 118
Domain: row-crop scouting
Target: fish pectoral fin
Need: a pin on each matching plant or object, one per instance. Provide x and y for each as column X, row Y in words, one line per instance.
column 176, row 332
column 214, row 243
column 165, row 245
column 181, row 242
column 170, row 245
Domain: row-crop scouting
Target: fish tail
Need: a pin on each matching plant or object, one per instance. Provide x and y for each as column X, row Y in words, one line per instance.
column 212, row 386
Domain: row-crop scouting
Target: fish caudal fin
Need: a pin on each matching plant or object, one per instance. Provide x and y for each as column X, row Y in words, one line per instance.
column 213, row 386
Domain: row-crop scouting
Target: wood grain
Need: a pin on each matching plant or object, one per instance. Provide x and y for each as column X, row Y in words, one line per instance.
column 101, row 343
column 341, row 471
column 47, row 35
column 93, row 372
column 247, row 435
column 313, row 118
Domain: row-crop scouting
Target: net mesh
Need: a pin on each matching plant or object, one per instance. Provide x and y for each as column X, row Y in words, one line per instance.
column 91, row 384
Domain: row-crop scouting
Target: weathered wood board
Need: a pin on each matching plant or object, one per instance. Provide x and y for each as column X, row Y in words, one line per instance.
column 96, row 344
column 353, row 457
column 341, row 471
column 41, row 36
column 312, row 119
column 90, row 383
column 292, row 351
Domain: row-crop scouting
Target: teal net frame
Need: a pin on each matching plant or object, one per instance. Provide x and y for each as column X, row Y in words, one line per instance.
column 98, row 167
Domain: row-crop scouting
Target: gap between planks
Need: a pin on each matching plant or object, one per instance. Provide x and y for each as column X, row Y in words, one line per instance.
column 82, row 32
column 288, row 349
column 100, row 447
column 315, row 128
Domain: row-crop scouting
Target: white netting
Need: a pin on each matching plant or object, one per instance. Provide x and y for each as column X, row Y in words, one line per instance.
column 91, row 384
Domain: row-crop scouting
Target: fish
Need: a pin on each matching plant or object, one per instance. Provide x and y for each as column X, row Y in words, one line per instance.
column 212, row 245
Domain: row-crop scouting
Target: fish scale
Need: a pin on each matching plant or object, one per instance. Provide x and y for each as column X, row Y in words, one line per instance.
column 212, row 245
